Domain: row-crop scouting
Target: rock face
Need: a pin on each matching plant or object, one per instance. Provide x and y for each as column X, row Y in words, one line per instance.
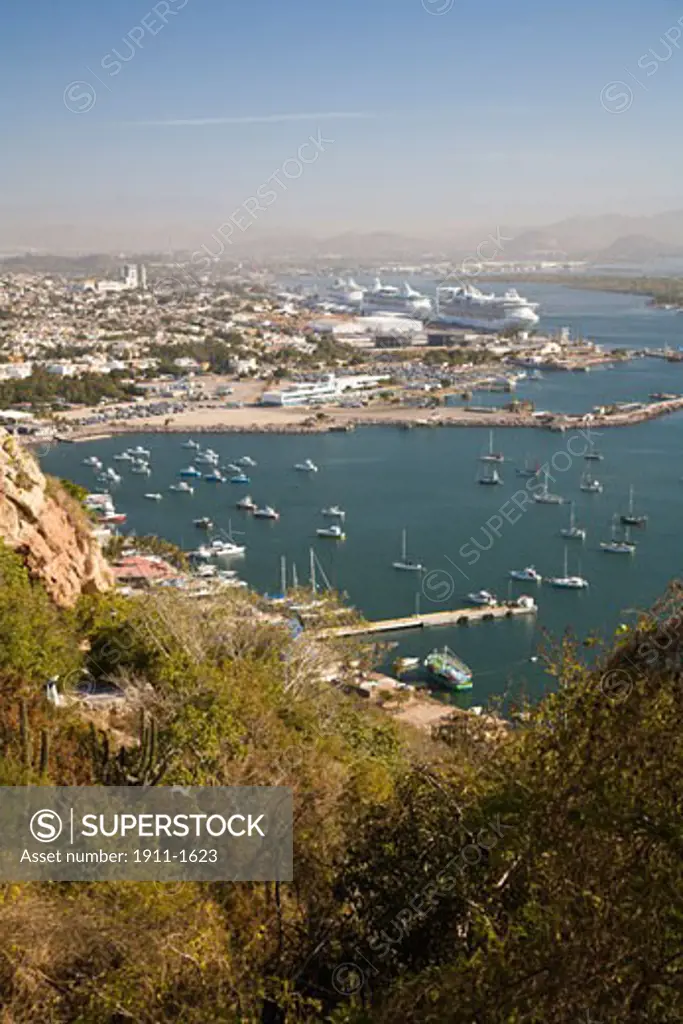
column 42, row 523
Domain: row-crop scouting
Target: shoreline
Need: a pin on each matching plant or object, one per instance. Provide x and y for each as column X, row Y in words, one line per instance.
column 275, row 420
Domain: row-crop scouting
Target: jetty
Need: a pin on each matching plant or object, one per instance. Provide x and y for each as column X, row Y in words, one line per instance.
column 454, row 617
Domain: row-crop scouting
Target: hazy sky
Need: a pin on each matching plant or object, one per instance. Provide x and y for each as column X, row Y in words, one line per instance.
column 148, row 124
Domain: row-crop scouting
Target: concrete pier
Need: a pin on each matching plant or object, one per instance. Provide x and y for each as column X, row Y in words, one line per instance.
column 455, row 617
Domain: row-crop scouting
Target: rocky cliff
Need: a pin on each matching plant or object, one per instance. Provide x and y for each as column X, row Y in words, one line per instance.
column 48, row 528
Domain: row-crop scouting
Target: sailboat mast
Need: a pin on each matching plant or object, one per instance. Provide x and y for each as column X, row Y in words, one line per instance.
column 403, row 546
column 312, row 570
column 295, row 577
column 283, row 575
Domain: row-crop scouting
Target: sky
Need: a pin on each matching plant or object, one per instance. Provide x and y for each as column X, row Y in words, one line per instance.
column 142, row 124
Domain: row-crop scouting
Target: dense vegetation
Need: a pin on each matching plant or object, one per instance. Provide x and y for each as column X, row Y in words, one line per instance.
column 534, row 880
column 43, row 390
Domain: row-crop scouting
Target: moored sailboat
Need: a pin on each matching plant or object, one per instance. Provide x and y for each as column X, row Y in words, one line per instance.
column 404, row 563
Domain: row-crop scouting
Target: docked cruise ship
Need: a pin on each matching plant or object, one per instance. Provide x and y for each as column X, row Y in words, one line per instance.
column 386, row 298
column 345, row 293
column 468, row 307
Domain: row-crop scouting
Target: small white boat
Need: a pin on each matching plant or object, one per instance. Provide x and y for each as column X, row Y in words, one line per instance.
column 404, row 563
column 267, row 512
column 625, row 546
column 189, row 471
column 123, row 457
column 239, row 478
column 190, row 444
column 182, row 487
column 247, row 504
column 226, row 549
column 573, row 532
column 93, row 461
column 139, row 451
column 306, row 466
column 215, row 478
column 143, row 470
column 154, row 496
column 207, row 459
column 490, row 455
column 590, row 485
column 567, row 582
column 544, row 497
column 528, row 575
column 112, row 475
column 490, row 478
column 207, row 571
column 482, row 597
column 246, row 460
column 234, row 468
column 204, row 523
column 334, row 512
column 333, row 532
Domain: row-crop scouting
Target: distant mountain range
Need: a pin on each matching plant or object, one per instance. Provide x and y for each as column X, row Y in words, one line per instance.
column 605, row 239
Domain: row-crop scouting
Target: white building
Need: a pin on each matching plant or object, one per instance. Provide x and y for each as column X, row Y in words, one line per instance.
column 327, row 389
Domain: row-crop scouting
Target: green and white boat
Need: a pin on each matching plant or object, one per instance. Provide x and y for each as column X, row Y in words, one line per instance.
column 449, row 669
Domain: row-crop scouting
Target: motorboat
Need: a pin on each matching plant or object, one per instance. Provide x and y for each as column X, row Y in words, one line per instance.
column 528, row 575
column 240, row 478
column 247, row 504
column 190, row 444
column 567, row 582
column 482, row 597
column 246, row 460
column 404, row 563
column 143, row 470
column 204, row 523
column 573, row 532
column 307, row 466
column 207, row 458
column 266, row 513
column 232, row 467
column 445, row 666
column 139, row 450
column 333, row 532
column 93, row 461
column 124, row 457
column 182, row 487
column 334, row 512
column 189, row 471
column 227, row 549
column 154, row 496
column 112, row 517
column 215, row 478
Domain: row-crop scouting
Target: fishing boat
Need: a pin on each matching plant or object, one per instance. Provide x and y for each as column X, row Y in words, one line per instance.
column 240, row 478
column 544, row 497
column 189, row 471
column 529, row 470
column 247, row 504
column 155, row 496
column 204, row 523
column 630, row 518
column 490, row 455
column 573, row 532
column 625, row 546
column 182, row 487
column 246, row 460
column 528, row 575
column 567, row 582
column 489, row 477
column 333, row 532
column 445, row 666
column 306, row 466
column 590, row 485
column 334, row 512
column 267, row 512
column 482, row 597
column 190, row 444
column 404, row 563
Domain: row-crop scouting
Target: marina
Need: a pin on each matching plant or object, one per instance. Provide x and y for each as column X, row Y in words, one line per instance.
column 435, row 620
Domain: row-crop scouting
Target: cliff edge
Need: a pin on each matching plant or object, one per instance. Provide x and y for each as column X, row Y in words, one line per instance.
column 48, row 528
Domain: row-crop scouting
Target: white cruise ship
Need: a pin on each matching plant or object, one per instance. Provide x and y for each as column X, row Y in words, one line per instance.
column 386, row 298
column 468, row 307
column 345, row 293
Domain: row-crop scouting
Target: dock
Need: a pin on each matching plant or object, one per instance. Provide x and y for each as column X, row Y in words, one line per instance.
column 455, row 617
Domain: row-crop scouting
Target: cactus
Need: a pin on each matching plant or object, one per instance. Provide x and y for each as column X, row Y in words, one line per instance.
column 29, row 763
column 130, row 767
